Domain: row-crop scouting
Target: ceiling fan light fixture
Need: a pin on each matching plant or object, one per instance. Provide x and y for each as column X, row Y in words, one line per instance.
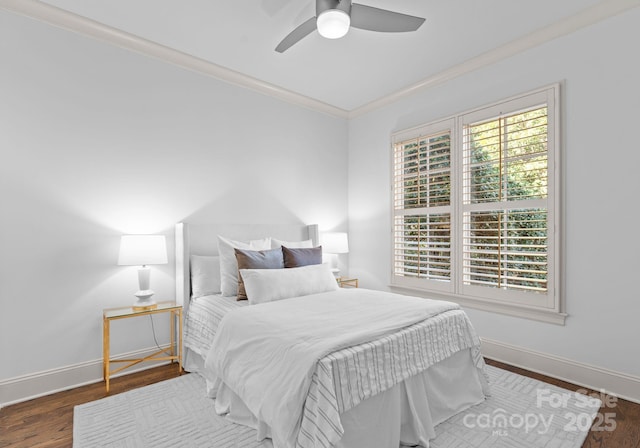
column 333, row 23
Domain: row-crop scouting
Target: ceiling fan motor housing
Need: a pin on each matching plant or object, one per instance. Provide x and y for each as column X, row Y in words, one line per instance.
column 324, row 5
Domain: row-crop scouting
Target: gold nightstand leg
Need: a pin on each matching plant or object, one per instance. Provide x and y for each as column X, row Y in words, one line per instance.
column 105, row 352
column 172, row 332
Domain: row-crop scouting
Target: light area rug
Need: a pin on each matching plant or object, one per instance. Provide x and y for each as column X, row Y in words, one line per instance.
column 521, row 413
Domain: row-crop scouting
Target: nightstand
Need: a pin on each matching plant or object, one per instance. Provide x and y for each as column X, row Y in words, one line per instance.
column 347, row 282
column 172, row 353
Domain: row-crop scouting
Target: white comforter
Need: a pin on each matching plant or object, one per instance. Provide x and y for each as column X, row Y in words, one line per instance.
column 267, row 353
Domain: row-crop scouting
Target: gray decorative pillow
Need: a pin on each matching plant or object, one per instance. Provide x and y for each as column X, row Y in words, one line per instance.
column 256, row 259
column 298, row 257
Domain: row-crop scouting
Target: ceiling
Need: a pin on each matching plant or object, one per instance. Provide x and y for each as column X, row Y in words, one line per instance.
column 346, row 73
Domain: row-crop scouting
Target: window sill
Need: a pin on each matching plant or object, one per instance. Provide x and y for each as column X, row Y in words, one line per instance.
column 542, row 315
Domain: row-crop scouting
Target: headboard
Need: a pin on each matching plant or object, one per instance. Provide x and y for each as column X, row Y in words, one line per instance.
column 201, row 239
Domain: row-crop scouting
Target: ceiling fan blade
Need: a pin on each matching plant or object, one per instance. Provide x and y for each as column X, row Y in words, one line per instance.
column 376, row 19
column 297, row 35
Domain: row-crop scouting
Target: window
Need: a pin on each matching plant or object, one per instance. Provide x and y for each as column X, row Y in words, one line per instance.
column 474, row 207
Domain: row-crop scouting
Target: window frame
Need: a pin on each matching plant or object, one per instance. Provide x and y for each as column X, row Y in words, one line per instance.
column 547, row 307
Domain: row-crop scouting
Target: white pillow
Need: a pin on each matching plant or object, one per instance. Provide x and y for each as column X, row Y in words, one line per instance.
column 276, row 243
column 229, row 265
column 267, row 285
column 205, row 275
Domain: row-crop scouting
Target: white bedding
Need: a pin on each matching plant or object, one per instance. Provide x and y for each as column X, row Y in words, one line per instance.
column 276, row 380
column 204, row 316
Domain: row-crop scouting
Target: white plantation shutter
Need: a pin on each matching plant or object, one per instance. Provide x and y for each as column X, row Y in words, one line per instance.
column 423, row 246
column 474, row 202
column 505, row 239
column 422, row 207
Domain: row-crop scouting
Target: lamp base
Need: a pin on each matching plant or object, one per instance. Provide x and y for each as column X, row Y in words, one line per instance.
column 144, row 301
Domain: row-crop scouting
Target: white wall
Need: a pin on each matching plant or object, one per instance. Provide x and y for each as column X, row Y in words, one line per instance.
column 601, row 99
column 95, row 142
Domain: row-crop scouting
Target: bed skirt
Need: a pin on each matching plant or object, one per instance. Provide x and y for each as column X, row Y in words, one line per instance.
column 405, row 414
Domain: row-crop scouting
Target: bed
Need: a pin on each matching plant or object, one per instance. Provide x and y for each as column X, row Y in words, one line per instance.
column 382, row 389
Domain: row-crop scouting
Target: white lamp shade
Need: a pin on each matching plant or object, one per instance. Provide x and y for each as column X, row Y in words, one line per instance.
column 333, row 23
column 334, row 243
column 140, row 250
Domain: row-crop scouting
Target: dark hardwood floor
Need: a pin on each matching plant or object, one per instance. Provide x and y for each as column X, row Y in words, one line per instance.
column 48, row 421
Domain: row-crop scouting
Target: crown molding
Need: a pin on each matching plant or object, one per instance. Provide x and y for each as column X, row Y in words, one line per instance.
column 96, row 30
column 568, row 25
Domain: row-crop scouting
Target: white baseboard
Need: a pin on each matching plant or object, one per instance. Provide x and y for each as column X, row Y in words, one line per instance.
column 34, row 385
column 619, row 384
column 27, row 387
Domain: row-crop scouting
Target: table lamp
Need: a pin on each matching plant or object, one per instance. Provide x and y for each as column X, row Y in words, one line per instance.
column 143, row 250
column 334, row 243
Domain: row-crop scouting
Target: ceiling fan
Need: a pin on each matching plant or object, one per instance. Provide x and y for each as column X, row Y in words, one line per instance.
column 334, row 17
